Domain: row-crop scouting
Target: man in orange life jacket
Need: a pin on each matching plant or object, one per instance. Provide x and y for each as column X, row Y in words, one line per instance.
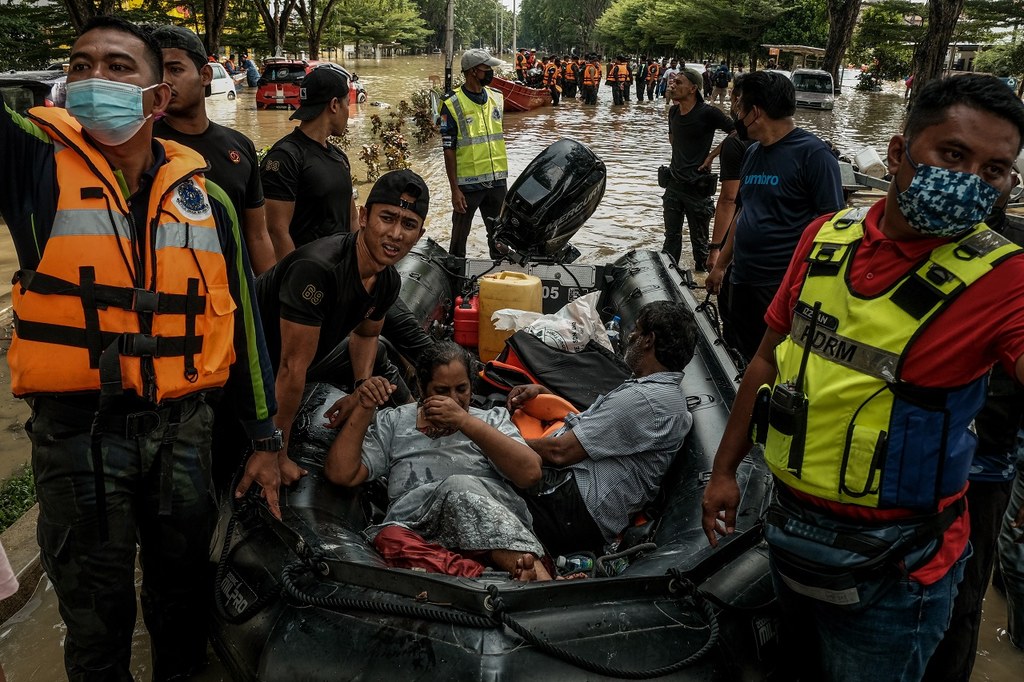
column 553, row 78
column 570, row 76
column 618, row 76
column 134, row 300
column 591, row 79
column 521, row 64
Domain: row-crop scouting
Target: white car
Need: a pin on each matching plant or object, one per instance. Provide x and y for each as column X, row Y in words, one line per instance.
column 222, row 83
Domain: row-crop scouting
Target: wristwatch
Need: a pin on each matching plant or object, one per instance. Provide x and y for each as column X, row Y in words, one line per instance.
column 275, row 443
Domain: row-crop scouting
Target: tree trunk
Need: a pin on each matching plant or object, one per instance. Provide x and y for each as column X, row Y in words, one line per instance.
column 842, row 19
column 214, row 14
column 81, row 11
column 276, row 27
column 930, row 54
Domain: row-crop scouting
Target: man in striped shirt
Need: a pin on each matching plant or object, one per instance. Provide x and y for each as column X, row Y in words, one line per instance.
column 607, row 463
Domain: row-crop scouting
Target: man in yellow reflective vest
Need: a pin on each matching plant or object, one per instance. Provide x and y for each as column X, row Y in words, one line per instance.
column 865, row 389
column 133, row 303
column 474, row 150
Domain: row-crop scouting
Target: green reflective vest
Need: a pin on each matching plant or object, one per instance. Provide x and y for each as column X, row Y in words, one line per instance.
column 480, row 144
column 872, row 439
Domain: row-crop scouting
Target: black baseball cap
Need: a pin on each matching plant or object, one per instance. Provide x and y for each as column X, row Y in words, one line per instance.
column 172, row 37
column 390, row 187
column 318, row 88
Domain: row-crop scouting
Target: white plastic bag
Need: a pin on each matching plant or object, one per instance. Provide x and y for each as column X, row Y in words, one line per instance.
column 570, row 329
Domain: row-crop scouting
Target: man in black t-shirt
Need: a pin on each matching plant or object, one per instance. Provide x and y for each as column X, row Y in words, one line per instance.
column 307, row 180
column 339, row 287
column 691, row 128
column 231, row 155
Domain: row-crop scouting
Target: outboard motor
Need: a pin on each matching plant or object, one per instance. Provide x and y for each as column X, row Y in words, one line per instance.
column 549, row 202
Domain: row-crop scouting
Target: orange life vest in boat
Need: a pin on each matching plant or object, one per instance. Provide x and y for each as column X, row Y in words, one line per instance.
column 155, row 309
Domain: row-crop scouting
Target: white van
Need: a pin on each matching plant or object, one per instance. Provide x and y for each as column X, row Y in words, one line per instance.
column 814, row 88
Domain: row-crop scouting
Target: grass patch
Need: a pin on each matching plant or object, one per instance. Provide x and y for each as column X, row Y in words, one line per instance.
column 17, row 495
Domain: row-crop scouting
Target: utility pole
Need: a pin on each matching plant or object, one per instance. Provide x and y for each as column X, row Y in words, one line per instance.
column 514, row 48
column 449, row 47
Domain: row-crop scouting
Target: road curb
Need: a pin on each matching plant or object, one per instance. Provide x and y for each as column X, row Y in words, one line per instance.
column 23, row 552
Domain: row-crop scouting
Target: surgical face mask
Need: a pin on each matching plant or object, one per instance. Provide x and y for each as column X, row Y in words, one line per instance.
column 742, row 129
column 110, row 112
column 940, row 202
column 487, row 78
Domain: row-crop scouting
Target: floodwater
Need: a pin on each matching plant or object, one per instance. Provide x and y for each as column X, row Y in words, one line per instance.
column 632, row 140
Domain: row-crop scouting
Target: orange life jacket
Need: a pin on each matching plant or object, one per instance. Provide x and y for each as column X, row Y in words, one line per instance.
column 551, row 74
column 591, row 74
column 520, row 61
column 653, row 71
column 570, row 72
column 163, row 320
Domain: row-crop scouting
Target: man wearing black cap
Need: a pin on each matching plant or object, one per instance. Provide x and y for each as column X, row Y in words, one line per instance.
column 231, row 155
column 307, row 180
column 474, row 150
column 692, row 123
column 338, row 288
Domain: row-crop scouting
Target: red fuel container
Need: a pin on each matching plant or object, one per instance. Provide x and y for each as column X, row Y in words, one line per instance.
column 467, row 321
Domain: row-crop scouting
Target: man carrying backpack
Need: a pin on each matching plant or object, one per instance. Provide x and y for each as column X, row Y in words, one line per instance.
column 721, row 81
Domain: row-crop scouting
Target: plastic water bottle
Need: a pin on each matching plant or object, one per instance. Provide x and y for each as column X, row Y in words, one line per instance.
column 574, row 563
column 614, row 329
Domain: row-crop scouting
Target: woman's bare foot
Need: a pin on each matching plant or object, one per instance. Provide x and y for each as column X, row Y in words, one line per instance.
column 523, row 566
column 529, row 569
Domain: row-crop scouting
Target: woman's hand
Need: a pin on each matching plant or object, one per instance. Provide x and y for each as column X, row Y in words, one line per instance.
column 372, row 393
column 441, row 411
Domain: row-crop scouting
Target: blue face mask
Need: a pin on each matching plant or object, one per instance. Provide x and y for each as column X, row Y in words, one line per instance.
column 940, row 202
column 110, row 112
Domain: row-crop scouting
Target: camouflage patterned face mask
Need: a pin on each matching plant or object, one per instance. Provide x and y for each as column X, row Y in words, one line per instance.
column 940, row 202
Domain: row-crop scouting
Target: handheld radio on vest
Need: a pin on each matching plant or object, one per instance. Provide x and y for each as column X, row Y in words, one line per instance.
column 788, row 411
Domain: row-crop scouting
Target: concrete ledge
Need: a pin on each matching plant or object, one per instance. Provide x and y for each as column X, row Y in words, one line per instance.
column 23, row 552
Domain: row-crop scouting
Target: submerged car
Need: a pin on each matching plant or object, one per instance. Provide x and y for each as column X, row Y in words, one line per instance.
column 814, row 89
column 278, row 86
column 23, row 90
column 222, row 85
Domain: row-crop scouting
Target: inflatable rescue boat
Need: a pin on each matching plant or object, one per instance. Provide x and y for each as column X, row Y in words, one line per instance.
column 307, row 598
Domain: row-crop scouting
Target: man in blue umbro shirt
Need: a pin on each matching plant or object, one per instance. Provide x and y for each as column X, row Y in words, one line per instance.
column 789, row 178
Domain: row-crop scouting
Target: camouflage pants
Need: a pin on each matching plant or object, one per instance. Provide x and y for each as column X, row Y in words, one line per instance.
column 95, row 579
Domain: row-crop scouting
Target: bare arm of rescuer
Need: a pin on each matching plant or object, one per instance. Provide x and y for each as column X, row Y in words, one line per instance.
column 261, row 249
column 713, row 283
column 722, row 494
column 298, row 346
column 725, row 212
column 279, row 217
column 458, row 198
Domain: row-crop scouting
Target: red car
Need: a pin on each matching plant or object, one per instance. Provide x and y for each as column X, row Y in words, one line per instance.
column 278, row 86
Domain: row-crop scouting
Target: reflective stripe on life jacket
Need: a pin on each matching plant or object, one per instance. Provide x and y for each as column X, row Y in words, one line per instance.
column 871, row 438
column 480, row 145
column 151, row 301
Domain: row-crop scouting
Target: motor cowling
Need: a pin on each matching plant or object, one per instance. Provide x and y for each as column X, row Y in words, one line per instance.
column 550, row 201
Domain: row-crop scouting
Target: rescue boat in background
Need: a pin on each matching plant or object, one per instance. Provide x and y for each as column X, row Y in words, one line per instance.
column 519, row 97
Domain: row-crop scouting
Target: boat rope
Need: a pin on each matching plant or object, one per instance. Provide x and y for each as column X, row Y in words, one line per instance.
column 608, row 671
column 635, row 549
column 242, row 506
column 432, row 613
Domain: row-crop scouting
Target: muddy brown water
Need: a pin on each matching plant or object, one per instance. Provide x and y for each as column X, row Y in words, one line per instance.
column 632, row 140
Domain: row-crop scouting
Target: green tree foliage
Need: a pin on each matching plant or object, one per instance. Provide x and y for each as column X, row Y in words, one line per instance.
column 886, row 37
column 806, row 23
column 1002, row 60
column 381, row 22
column 559, row 26
column 32, row 37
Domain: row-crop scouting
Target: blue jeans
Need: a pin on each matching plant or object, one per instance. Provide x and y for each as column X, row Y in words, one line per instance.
column 1011, row 561
column 889, row 641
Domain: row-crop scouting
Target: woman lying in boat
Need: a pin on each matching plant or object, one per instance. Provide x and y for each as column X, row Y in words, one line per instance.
column 448, row 468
